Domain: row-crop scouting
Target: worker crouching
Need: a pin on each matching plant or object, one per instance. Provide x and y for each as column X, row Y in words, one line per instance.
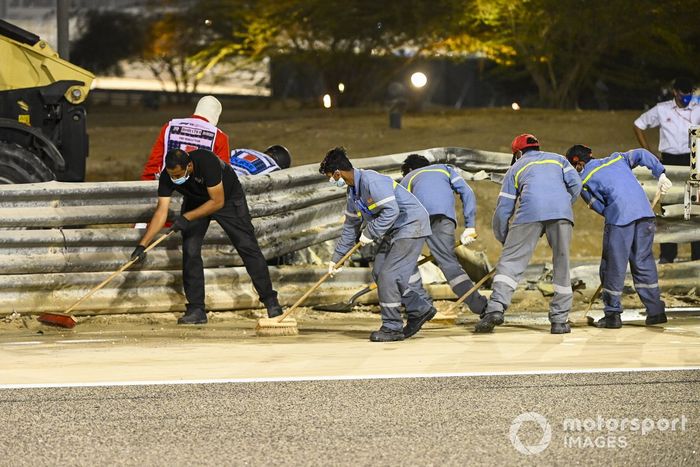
column 611, row 189
column 543, row 185
column 210, row 190
column 380, row 210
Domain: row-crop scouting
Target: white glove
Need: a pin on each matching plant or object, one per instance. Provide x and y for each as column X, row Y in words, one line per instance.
column 332, row 270
column 364, row 239
column 664, row 184
column 468, row 236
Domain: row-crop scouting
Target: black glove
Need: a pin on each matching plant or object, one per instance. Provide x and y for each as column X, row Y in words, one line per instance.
column 139, row 253
column 179, row 223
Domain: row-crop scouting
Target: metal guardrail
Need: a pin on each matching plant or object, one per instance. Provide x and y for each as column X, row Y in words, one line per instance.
column 57, row 240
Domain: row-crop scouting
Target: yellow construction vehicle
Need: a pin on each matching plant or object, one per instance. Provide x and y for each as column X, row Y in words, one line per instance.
column 43, row 134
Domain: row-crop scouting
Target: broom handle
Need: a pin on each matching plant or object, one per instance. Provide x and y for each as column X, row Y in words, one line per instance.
column 655, row 201
column 115, row 273
column 319, row 282
column 422, row 261
column 476, row 286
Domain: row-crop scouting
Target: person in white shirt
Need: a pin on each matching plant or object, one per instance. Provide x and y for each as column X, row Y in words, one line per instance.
column 673, row 118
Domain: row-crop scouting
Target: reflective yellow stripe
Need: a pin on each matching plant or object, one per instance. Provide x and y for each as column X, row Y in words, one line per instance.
column 546, row 161
column 600, row 167
column 426, row 170
column 372, row 206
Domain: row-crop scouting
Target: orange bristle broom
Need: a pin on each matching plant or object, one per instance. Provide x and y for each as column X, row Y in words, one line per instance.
column 66, row 319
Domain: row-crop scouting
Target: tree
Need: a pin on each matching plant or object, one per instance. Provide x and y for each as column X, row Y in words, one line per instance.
column 107, row 37
column 359, row 42
column 564, row 44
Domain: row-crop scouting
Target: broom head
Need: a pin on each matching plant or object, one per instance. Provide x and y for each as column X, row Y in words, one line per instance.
column 270, row 327
column 449, row 318
column 61, row 320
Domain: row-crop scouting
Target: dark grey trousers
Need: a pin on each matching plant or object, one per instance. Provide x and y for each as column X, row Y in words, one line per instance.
column 517, row 251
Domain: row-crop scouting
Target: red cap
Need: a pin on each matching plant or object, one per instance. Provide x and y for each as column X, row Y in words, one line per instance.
column 524, row 141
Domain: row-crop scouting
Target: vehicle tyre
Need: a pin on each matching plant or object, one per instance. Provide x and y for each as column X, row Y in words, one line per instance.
column 19, row 165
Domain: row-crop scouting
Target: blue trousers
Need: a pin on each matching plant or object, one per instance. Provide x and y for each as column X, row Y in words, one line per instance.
column 631, row 243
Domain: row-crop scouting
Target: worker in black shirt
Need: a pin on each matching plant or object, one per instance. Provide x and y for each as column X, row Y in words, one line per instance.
column 211, row 190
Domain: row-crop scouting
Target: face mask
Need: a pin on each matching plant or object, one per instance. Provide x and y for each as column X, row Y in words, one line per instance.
column 685, row 99
column 181, row 180
column 340, row 183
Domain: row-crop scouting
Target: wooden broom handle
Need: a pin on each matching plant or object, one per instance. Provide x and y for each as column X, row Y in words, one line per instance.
column 117, row 272
column 319, row 282
column 476, row 286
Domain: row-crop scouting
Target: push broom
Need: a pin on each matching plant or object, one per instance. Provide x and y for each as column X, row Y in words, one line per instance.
column 66, row 319
column 585, row 319
column 280, row 326
column 346, row 307
column 445, row 318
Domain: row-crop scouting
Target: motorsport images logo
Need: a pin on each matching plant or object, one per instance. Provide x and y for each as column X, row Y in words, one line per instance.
column 590, row 432
column 544, row 426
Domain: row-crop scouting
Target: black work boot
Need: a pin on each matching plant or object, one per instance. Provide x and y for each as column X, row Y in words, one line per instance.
column 194, row 316
column 386, row 335
column 489, row 321
column 656, row 319
column 560, row 328
column 273, row 307
column 609, row 321
column 413, row 325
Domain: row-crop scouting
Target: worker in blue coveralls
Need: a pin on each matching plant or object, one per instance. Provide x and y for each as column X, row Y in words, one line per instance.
column 538, row 191
column 252, row 162
column 380, row 210
column 611, row 189
column 434, row 186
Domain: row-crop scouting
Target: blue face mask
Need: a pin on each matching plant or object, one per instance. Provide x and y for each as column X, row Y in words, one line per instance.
column 181, row 180
column 340, row 183
column 685, row 99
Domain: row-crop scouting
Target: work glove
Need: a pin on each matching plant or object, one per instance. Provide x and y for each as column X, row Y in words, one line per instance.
column 664, row 184
column 139, row 253
column 179, row 223
column 365, row 240
column 468, row 236
column 332, row 271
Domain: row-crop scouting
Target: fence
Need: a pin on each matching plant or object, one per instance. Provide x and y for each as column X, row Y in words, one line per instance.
column 58, row 240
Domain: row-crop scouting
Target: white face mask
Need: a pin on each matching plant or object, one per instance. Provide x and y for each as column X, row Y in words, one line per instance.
column 340, row 183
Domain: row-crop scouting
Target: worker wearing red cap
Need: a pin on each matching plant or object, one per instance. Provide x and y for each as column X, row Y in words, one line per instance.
column 198, row 131
column 543, row 186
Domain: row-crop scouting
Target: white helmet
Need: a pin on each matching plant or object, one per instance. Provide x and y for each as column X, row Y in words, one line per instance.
column 209, row 107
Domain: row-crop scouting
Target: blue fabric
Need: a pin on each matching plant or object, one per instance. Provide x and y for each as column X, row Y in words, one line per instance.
column 252, row 162
column 611, row 189
column 435, row 185
column 545, row 186
column 631, row 243
column 384, row 207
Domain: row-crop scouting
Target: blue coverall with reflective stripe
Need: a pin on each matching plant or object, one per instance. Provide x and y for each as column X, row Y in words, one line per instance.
column 434, row 186
column 396, row 219
column 611, row 189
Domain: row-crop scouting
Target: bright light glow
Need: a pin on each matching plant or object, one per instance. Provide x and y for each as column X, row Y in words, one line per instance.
column 341, row 87
column 207, row 22
column 515, row 106
column 419, row 79
column 327, row 101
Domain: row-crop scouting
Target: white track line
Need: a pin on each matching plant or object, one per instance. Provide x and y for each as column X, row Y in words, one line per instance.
column 284, row 379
